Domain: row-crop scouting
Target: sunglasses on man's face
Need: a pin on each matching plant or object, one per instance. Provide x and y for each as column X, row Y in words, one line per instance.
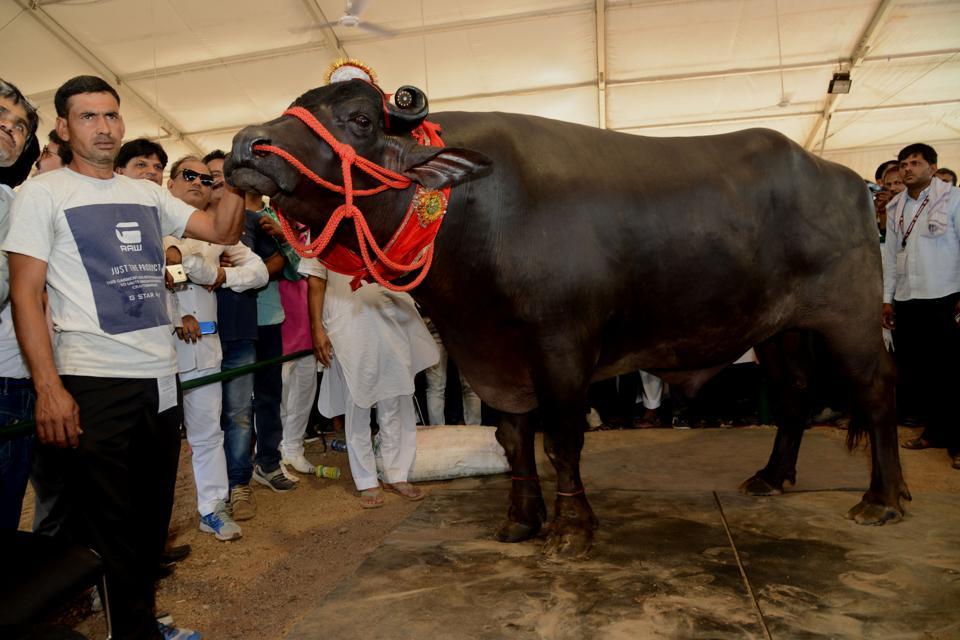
column 189, row 175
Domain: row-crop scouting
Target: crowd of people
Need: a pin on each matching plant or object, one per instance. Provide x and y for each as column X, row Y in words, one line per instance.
column 117, row 287
column 121, row 287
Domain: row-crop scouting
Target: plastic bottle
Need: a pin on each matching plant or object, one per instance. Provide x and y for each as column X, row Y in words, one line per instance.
column 338, row 445
column 330, row 473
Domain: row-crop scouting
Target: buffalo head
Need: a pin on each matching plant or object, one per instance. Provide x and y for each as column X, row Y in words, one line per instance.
column 356, row 113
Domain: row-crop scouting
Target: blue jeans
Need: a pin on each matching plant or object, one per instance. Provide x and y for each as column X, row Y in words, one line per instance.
column 267, row 392
column 16, row 405
column 237, row 417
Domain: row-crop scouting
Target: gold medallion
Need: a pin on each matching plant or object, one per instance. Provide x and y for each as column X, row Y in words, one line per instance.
column 430, row 206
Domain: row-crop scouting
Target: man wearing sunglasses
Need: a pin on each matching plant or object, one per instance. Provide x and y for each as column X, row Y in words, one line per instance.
column 108, row 406
column 199, row 352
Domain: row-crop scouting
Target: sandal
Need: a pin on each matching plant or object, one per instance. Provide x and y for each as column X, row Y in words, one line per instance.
column 405, row 490
column 371, row 498
column 916, row 444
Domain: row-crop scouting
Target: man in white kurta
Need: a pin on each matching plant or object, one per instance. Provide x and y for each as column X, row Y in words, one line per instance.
column 379, row 343
column 199, row 356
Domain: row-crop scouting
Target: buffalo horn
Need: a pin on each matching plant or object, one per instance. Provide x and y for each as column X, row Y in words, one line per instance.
column 408, row 110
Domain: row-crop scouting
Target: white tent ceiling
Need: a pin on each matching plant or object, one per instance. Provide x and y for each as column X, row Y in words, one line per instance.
column 192, row 73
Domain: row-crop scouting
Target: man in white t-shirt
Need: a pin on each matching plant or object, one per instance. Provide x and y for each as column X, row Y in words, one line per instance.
column 107, row 403
column 373, row 342
column 198, row 351
column 18, row 124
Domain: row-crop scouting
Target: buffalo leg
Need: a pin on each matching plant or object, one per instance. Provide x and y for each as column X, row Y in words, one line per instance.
column 873, row 378
column 571, row 532
column 785, row 359
column 527, row 511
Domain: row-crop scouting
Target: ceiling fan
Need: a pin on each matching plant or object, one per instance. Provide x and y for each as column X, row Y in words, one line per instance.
column 351, row 19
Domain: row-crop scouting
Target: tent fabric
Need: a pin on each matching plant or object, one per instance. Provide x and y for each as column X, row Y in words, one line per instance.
column 646, row 67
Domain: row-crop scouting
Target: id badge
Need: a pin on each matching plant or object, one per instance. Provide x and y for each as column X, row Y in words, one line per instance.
column 167, row 393
column 902, row 263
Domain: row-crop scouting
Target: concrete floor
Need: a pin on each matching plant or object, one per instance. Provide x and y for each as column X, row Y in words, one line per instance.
column 679, row 554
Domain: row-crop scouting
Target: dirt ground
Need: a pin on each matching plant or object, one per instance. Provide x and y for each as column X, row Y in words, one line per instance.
column 301, row 544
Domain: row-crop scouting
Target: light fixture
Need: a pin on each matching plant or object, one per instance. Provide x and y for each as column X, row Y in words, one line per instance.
column 840, row 83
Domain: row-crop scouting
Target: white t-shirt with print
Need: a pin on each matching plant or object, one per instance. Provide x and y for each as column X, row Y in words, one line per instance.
column 102, row 241
column 11, row 361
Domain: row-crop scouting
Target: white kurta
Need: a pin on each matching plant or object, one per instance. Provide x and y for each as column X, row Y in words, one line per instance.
column 379, row 345
column 379, row 341
column 202, row 406
column 201, row 261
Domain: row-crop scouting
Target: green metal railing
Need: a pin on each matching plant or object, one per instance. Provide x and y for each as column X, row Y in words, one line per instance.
column 23, row 428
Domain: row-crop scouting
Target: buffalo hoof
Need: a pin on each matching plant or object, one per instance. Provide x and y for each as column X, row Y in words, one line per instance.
column 511, row 531
column 758, row 486
column 568, row 540
column 872, row 513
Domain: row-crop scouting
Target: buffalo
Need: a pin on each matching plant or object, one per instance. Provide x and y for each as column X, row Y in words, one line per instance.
column 570, row 254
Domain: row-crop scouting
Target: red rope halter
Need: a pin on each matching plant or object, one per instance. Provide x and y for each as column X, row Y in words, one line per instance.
column 365, row 240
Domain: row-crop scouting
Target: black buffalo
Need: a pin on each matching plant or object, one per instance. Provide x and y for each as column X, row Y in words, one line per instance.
column 571, row 254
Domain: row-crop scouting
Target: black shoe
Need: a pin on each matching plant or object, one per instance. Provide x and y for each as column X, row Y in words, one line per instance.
column 171, row 555
column 164, row 571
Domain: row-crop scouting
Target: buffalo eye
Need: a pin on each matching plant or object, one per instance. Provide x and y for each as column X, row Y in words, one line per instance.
column 362, row 121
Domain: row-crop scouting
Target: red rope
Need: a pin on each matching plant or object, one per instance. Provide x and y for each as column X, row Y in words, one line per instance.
column 365, row 240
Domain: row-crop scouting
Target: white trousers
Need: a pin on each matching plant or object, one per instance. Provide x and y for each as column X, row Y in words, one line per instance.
column 201, row 417
column 398, row 440
column 299, row 388
column 436, row 390
column 652, row 390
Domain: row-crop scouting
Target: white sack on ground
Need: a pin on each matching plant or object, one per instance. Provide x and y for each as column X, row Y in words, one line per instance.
column 445, row 452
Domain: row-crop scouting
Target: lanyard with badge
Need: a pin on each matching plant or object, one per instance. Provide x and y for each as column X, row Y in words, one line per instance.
column 902, row 253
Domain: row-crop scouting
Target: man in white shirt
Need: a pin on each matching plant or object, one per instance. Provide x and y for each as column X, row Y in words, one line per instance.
column 18, row 125
column 198, row 351
column 107, row 405
column 373, row 343
column 921, row 294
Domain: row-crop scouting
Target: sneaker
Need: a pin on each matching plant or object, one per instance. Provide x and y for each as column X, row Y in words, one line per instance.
column 242, row 505
column 220, row 524
column 275, row 479
column 173, row 633
column 299, row 463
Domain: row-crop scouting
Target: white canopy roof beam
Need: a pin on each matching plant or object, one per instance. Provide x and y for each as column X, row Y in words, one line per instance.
column 897, row 146
column 204, row 65
column 335, row 44
column 267, row 54
column 474, row 23
column 859, row 53
column 601, row 23
column 689, row 123
column 101, row 68
column 785, row 116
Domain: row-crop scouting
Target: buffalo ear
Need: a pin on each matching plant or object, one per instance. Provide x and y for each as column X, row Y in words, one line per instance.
column 439, row 167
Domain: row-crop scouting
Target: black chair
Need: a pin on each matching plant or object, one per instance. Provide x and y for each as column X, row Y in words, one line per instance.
column 40, row 574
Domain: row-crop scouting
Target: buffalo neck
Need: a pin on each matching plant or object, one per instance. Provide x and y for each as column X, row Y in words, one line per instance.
column 383, row 212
